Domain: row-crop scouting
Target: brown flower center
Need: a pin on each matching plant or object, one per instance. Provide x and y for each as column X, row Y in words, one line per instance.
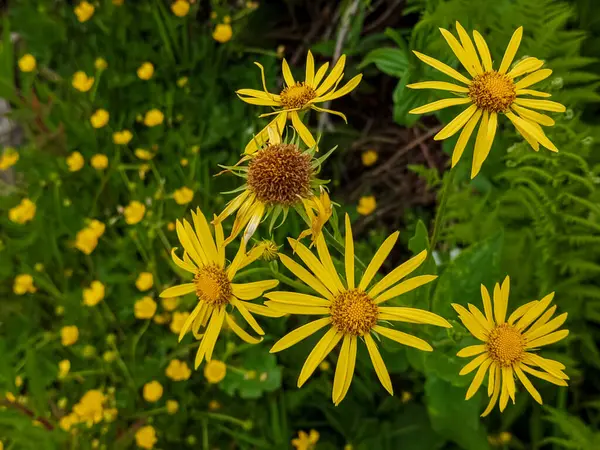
column 297, row 96
column 506, row 345
column 280, row 174
column 212, row 285
column 492, row 92
column 353, row 312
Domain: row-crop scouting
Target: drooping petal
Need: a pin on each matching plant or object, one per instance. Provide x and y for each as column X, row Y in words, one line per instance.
column 318, row 354
column 341, row 369
column 533, row 115
column 256, row 214
column 250, row 291
column 496, row 394
column 349, row 369
column 485, row 144
column 465, row 134
column 299, row 334
column 378, row 364
column 330, row 111
column 505, row 393
column 302, row 130
column 240, row 332
column 530, row 128
column 525, row 381
column 248, row 317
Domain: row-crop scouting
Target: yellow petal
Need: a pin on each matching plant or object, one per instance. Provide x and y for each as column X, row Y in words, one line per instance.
column 310, row 69
column 525, row 381
column 484, row 51
column 473, row 364
column 465, row 134
column 213, row 334
column 232, row 206
column 349, row 254
column 247, row 316
column 297, row 309
column 492, row 378
column 337, row 93
column 378, row 364
column 187, row 244
column 440, row 104
column 533, row 78
column 543, row 319
column 518, row 313
column 470, row 323
column 299, row 334
column 256, row 214
column 349, row 369
column 413, row 315
column 200, row 307
column 460, row 53
column 494, row 399
column 405, row 286
column 287, row 73
column 302, row 130
column 259, row 101
column 533, row 115
column 545, row 105
column 442, row 85
column 241, row 333
column 534, row 312
column 543, row 375
column 529, row 138
column 341, row 369
column 478, row 379
column 403, row 338
column 336, row 73
column 548, row 339
column 250, row 291
column 469, row 49
column 511, row 50
column 533, row 92
column 219, row 239
column 258, row 94
column 442, row 67
column 487, row 305
column 318, row 354
column 319, row 75
column 398, row 273
column 261, row 138
column 176, row 291
column 456, row 124
column 505, row 392
column 530, row 128
column 501, row 302
column 525, row 66
column 483, row 145
column 295, row 298
column 305, row 276
column 237, row 260
column 204, row 235
column 330, row 111
column 378, row 260
column 315, row 266
column 547, row 328
column 327, row 262
column 471, row 350
column 480, row 318
column 184, row 265
column 262, row 310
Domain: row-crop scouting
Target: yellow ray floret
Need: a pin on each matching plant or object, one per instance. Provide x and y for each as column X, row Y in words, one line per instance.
column 348, row 312
column 489, row 93
column 213, row 283
column 298, row 96
column 509, row 345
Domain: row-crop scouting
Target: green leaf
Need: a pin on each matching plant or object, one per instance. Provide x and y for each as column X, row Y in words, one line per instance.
column 391, row 61
column 406, row 99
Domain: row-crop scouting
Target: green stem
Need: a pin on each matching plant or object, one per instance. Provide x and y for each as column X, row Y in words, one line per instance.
column 439, row 215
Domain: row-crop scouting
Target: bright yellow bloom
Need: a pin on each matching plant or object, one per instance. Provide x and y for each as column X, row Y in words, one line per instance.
column 222, row 33
column 306, row 441
column 100, row 64
column 145, row 437
column 23, row 212
column 9, row 158
column 82, row 82
column 366, row 205
column 69, row 335
column 153, row 391
column 214, row 371
column 27, row 63
column 508, row 345
column 369, row 158
column 145, row 71
column 183, row 195
column 298, row 96
column 99, row 118
column 269, row 250
column 350, row 311
column 75, row 161
column 180, row 8
column 278, row 177
column 178, row 321
column 86, row 240
column 94, row 294
column 170, row 304
column 144, row 281
column 122, row 137
column 134, row 212
column 144, row 308
column 178, row 370
column 204, row 257
column 63, row 368
column 23, row 284
column 172, row 406
column 144, row 154
column 489, row 93
column 90, row 409
column 153, row 117
column 99, row 161
column 84, row 11
column 181, row 82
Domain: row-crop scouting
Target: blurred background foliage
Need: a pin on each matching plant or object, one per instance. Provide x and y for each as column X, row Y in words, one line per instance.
column 535, row 216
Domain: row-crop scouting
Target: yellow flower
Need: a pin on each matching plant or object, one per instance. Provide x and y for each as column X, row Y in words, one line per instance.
column 508, row 345
column 489, row 93
column 86, row 240
column 153, row 391
column 318, row 210
column 99, row 118
column 172, row 406
column 183, row 195
column 306, row 441
column 27, row 63
column 179, row 319
column 145, row 71
column 84, row 11
column 143, row 170
column 144, row 281
column 82, row 82
column 75, row 161
column 181, row 82
column 90, row 409
column 153, row 117
column 214, row 371
column 100, row 64
column 184, row 162
column 298, row 96
column 23, row 284
column 178, row 370
column 350, row 312
column 278, row 177
column 222, row 33
column 9, row 158
column 204, row 257
column 144, row 154
column 18, row 381
column 122, row 137
column 69, row 335
column 94, row 294
column 269, row 250
column 366, row 205
column 66, row 422
column 63, row 368
column 369, row 158
column 145, row 437
column 134, row 212
column 180, row 8
column 170, row 304
column 162, row 318
column 23, row 212
column 99, row 161
column 171, row 226
column 144, row 308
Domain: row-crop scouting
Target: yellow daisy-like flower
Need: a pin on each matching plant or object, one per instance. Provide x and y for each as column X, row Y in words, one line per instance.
column 145, row 437
column 278, row 176
column 84, row 11
column 145, row 71
column 152, row 391
column 99, row 161
column 23, row 212
column 82, row 82
column 99, row 118
column 489, row 93
column 350, row 311
column 204, row 256
column 153, row 118
column 183, row 196
column 75, row 161
column 222, row 33
column 508, row 345
column 134, row 212
column 178, row 370
column 180, row 8
column 298, row 96
column 122, row 137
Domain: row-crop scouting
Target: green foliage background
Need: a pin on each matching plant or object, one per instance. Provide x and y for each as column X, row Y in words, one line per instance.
column 535, row 216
